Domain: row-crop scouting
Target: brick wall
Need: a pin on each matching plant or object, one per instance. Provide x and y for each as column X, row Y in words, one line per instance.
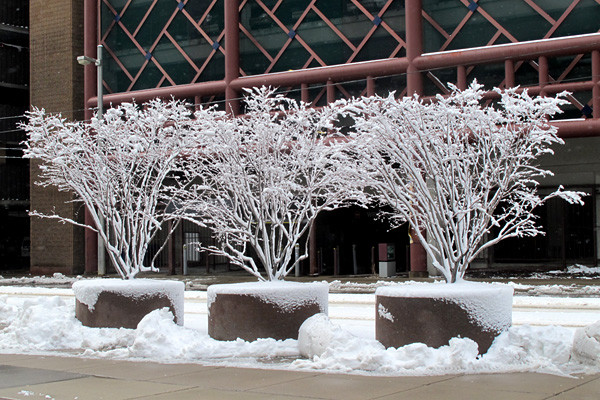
column 56, row 84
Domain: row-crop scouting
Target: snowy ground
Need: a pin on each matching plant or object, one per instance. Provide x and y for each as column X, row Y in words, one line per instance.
column 41, row 321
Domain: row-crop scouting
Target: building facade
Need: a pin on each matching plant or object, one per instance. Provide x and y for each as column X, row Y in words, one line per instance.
column 322, row 50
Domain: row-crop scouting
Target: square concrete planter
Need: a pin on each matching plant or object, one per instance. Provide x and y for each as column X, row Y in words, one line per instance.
column 435, row 313
column 250, row 311
column 116, row 303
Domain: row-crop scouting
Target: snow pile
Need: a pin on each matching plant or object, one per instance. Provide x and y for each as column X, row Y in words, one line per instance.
column 542, row 349
column 57, row 279
column 8, row 312
column 87, row 292
column 586, row 344
column 157, row 336
column 46, row 325
column 317, row 334
column 49, row 324
column 286, row 295
column 488, row 305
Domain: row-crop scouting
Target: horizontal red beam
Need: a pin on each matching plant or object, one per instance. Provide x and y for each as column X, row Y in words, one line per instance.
column 529, row 50
column 335, row 73
column 178, row 92
column 577, row 128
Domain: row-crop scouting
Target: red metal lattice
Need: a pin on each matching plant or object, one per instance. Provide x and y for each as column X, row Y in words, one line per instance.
column 355, row 50
column 178, row 7
column 502, row 31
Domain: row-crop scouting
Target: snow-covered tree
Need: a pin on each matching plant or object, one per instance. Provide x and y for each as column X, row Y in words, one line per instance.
column 262, row 178
column 117, row 167
column 465, row 176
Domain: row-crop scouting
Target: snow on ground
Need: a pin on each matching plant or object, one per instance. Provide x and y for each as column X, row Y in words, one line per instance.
column 42, row 321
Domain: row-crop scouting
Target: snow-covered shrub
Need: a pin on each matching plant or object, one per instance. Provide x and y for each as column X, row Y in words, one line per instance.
column 463, row 175
column 117, row 167
column 261, row 179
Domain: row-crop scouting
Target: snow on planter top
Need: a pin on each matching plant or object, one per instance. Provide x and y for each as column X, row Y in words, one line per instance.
column 286, row 295
column 488, row 304
column 87, row 291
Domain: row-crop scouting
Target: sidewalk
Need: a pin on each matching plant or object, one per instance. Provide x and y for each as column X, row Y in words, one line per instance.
column 45, row 377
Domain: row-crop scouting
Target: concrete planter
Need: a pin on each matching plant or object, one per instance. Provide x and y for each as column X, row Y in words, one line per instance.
column 435, row 313
column 116, row 303
column 250, row 311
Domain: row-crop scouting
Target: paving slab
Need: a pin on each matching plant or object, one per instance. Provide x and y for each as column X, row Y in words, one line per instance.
column 348, row 387
column 237, row 379
column 587, row 390
column 522, row 382
column 90, row 388
column 216, row 394
column 140, row 371
column 11, row 376
column 57, row 363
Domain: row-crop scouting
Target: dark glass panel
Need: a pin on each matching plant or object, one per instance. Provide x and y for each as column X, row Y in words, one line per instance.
column 581, row 71
column 583, row 19
column 476, row 32
column 294, row 57
column 214, row 23
column 173, row 62
column 252, row 60
column 323, row 40
column 447, row 13
column 527, row 74
column 156, row 20
column 149, row 78
column 517, row 17
column 554, row 8
column 395, row 17
column 385, row 85
column 132, row 17
column 351, row 89
column 128, row 55
column 432, row 39
column 215, row 70
column 380, row 45
column 290, row 11
column 352, row 22
column 489, row 75
column 107, row 17
column 433, row 80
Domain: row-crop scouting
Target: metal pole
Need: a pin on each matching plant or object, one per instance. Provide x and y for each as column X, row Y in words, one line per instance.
column 101, row 247
column 185, row 257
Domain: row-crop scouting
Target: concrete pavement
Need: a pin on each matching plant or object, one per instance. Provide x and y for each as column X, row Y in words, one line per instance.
column 60, row 378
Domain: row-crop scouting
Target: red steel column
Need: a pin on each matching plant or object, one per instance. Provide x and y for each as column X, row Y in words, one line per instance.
column 330, row 92
column 414, row 45
column 461, row 77
column 370, row 86
column 543, row 74
column 509, row 74
column 90, row 8
column 232, row 54
column 414, row 83
column 596, row 80
column 304, row 94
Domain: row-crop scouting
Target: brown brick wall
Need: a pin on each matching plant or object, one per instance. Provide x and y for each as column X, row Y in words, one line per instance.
column 56, row 84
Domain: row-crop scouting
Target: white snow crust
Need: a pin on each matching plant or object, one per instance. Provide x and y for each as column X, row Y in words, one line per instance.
column 286, row 295
column 46, row 325
column 87, row 291
column 488, row 304
column 586, row 343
